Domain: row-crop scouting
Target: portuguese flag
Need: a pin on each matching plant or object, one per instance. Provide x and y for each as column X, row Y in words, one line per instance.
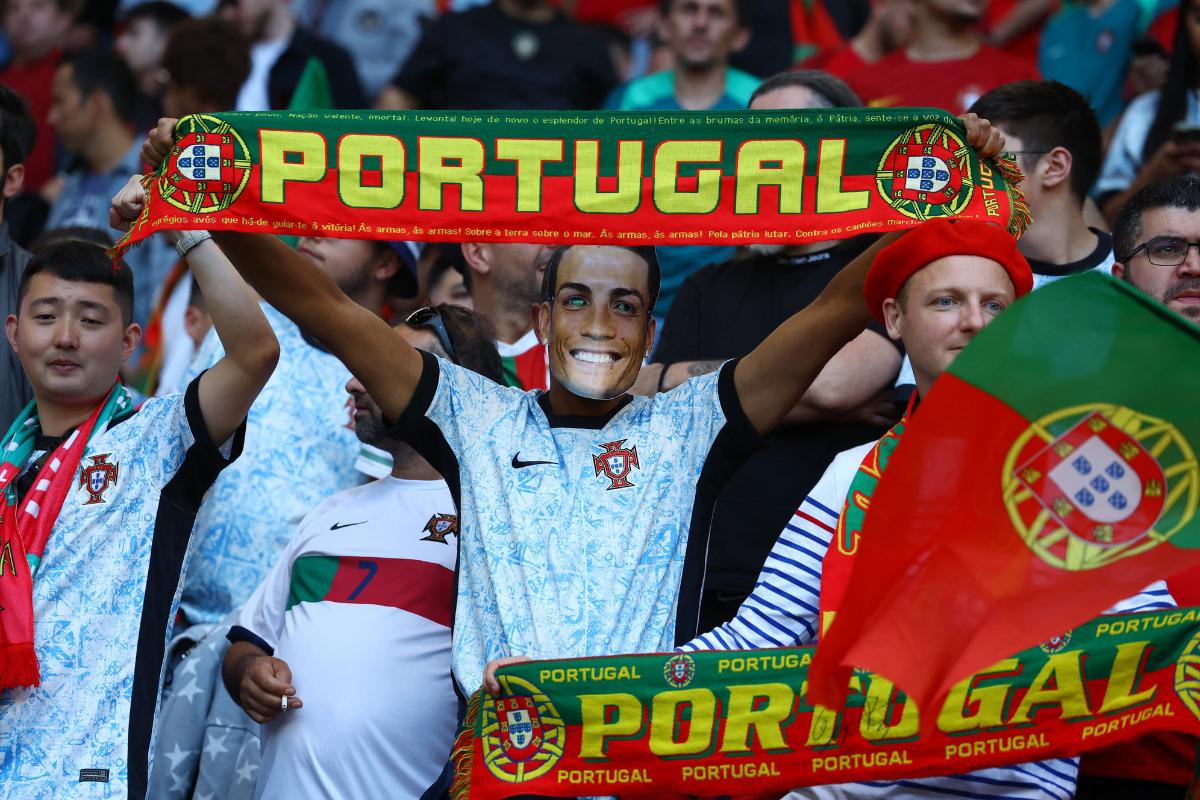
column 1050, row 473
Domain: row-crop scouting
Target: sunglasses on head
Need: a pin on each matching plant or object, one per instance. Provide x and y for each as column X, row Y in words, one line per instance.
column 429, row 317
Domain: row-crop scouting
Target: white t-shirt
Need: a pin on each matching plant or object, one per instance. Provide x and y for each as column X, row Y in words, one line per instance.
column 359, row 605
column 254, row 94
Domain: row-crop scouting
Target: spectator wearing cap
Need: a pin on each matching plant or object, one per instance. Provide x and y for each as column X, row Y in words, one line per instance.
column 142, row 43
column 300, row 446
column 934, row 289
column 724, row 311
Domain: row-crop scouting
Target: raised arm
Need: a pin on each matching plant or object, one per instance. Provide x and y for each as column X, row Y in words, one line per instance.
column 387, row 365
column 777, row 373
column 227, row 389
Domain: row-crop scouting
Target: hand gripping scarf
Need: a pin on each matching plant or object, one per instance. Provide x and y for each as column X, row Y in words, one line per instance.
column 25, row 529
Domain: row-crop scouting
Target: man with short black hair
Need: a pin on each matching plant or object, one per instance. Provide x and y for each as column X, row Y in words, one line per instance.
column 1056, row 139
column 97, row 505
column 92, row 113
column 205, row 63
column 1156, row 235
column 17, row 132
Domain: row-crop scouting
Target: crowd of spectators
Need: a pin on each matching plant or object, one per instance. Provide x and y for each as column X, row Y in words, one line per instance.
column 1097, row 99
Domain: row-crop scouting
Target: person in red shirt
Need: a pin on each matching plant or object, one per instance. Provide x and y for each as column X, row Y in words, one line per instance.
column 34, row 29
column 888, row 28
column 946, row 64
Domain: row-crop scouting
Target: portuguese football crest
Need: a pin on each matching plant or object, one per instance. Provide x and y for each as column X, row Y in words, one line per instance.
column 1056, row 644
column 926, row 173
column 1187, row 676
column 208, row 167
column 97, row 478
column 1090, row 485
column 439, row 527
column 523, row 735
column 615, row 462
column 679, row 670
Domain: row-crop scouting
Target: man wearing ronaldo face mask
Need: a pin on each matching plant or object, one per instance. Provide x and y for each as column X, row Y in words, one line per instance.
column 575, row 504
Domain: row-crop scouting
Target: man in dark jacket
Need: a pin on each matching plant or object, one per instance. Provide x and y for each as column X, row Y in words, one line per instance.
column 17, row 133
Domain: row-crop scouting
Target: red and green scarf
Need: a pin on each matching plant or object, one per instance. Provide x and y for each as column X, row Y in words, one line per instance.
column 25, row 526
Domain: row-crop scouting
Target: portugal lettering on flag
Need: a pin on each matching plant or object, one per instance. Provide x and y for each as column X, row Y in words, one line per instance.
column 1050, row 473
column 596, row 177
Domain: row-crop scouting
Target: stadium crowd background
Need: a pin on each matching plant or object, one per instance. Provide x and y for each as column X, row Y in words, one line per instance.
column 84, row 81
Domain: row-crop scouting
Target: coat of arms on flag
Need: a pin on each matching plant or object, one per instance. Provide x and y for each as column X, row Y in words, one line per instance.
column 924, row 173
column 1098, row 490
column 523, row 734
column 208, row 167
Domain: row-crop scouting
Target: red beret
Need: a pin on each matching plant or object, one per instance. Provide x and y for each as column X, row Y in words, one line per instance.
column 938, row 238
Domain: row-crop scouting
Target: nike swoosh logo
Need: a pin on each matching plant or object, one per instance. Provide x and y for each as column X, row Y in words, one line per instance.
column 517, row 463
column 337, row 526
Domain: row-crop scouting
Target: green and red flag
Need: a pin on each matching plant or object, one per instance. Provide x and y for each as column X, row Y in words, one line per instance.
column 1050, row 473
column 595, row 177
column 735, row 722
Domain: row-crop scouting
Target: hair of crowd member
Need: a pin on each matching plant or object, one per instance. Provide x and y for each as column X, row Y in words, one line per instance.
column 1045, row 115
column 647, row 254
column 1174, row 94
column 742, row 9
column 84, row 262
column 1182, row 191
column 17, row 128
column 831, row 89
column 98, row 70
column 210, row 57
column 164, row 15
column 473, row 339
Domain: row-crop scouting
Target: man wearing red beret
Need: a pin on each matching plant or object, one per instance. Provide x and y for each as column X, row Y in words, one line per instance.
column 933, row 289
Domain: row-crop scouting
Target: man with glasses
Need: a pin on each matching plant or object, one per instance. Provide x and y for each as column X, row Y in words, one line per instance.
column 1155, row 233
column 364, row 590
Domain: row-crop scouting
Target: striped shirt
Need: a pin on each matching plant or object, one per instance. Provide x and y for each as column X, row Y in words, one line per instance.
column 782, row 611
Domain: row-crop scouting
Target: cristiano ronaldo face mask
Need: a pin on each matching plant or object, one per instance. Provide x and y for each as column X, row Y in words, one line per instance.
column 597, row 326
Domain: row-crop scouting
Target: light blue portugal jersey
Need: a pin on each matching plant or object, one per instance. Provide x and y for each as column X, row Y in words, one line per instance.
column 574, row 530
column 300, row 448
column 103, row 601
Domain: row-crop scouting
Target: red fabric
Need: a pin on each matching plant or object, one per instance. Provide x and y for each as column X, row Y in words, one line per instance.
column 1163, row 29
column 33, row 82
column 812, row 26
column 897, row 80
column 921, row 575
column 609, row 12
column 24, row 533
column 1024, row 46
column 938, row 238
column 1161, row 757
column 842, row 62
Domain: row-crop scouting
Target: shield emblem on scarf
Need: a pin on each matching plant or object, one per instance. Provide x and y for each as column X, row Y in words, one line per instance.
column 520, row 727
column 207, row 169
column 1098, row 482
column 925, row 173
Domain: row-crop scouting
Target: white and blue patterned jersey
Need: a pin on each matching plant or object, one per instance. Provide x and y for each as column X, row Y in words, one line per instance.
column 574, row 530
column 300, row 448
column 104, row 598
column 782, row 611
